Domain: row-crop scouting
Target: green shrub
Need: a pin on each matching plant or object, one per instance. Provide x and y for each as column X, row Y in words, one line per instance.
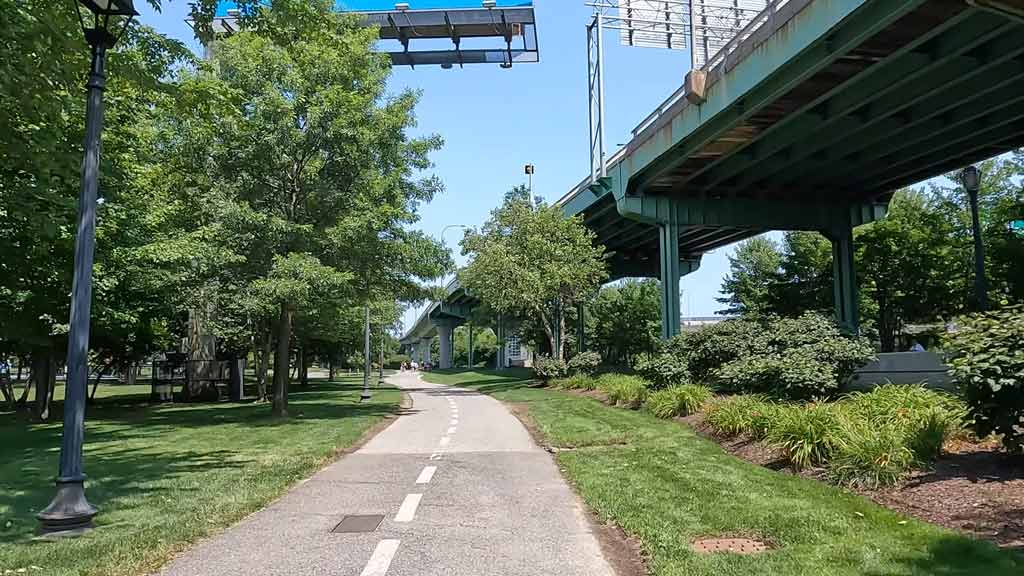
column 746, row 413
column 678, row 400
column 805, row 433
column 664, row 370
column 623, row 390
column 794, row 375
column 547, row 368
column 988, row 364
column 583, row 363
column 870, row 454
column 796, row 358
column 704, row 351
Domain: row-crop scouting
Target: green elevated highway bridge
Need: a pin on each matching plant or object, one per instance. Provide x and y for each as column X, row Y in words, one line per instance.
column 809, row 120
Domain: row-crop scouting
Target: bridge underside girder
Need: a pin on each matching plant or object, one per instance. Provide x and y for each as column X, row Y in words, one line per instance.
column 813, row 128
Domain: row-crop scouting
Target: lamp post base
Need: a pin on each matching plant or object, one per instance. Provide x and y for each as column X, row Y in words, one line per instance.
column 69, row 513
column 365, row 396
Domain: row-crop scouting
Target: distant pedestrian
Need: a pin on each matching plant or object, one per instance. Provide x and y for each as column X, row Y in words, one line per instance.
column 916, row 347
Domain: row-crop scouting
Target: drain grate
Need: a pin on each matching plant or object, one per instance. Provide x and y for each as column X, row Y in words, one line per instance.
column 734, row 545
column 358, row 523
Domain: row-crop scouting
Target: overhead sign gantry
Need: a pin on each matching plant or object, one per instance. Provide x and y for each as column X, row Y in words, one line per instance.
column 445, row 33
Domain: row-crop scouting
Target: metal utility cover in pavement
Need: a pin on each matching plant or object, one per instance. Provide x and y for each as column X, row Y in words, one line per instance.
column 734, row 545
column 363, row 523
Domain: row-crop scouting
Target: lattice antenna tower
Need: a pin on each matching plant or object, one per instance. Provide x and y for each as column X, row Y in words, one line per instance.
column 704, row 27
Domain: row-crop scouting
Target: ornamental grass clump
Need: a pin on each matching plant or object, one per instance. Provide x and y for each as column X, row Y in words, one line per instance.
column 623, row 390
column 743, row 414
column 678, row 400
column 575, row 382
column 870, row 454
column 924, row 418
column 805, row 433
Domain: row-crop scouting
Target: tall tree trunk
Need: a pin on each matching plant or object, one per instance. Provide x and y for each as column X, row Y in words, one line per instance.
column 561, row 336
column 264, row 363
column 303, row 368
column 132, row 375
column 99, row 376
column 330, row 368
column 284, row 333
column 28, row 387
column 44, row 372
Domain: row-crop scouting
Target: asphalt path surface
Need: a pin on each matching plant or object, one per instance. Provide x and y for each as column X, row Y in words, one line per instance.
column 461, row 486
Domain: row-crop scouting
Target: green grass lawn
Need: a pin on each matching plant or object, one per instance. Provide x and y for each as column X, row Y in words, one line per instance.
column 166, row 475
column 667, row 486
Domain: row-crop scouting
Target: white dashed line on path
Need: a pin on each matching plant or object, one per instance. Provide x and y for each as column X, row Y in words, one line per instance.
column 435, row 456
column 426, row 475
column 451, row 429
column 454, row 422
column 381, row 559
column 445, row 440
column 408, row 509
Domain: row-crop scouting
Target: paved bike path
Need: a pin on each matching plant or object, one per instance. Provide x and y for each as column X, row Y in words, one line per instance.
column 463, row 490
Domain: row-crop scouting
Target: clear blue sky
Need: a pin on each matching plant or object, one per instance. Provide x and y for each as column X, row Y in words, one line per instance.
column 494, row 121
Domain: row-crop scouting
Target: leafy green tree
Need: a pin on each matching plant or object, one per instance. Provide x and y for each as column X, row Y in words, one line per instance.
column 625, row 320
column 528, row 258
column 908, row 267
column 294, row 178
column 42, row 113
column 804, row 282
column 753, row 271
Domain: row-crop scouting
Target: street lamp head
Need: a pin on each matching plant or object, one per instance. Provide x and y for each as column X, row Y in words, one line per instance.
column 105, row 13
column 110, row 7
column 970, row 177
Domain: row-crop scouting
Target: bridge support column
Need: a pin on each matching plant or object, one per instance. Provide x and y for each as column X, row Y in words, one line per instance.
column 668, row 252
column 444, row 336
column 844, row 279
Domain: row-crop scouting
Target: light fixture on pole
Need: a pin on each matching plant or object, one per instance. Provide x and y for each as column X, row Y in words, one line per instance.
column 69, row 513
column 529, row 173
column 970, row 178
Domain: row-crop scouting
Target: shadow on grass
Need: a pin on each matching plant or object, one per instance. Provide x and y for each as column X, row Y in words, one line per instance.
column 136, row 449
column 959, row 556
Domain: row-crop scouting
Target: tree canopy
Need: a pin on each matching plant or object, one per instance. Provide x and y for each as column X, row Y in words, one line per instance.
column 528, row 259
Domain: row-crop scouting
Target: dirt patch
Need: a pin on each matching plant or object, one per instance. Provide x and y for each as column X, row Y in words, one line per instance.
column 621, row 550
column 973, row 487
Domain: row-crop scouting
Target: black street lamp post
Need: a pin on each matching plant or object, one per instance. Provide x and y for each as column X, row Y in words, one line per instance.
column 69, row 512
column 970, row 177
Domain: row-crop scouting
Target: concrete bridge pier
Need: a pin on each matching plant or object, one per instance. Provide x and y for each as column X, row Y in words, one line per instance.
column 445, row 331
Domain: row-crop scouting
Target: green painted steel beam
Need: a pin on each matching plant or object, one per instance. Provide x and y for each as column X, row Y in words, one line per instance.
column 750, row 213
column 811, row 41
column 850, row 160
column 829, row 110
column 964, row 150
column 893, row 112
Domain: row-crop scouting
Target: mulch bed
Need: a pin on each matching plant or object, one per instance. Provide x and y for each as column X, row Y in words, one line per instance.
column 973, row 487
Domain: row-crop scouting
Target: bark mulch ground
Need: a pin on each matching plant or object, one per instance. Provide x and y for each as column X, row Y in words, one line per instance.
column 973, row 487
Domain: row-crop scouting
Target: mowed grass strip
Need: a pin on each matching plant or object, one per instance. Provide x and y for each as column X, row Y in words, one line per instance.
column 164, row 476
column 667, row 486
